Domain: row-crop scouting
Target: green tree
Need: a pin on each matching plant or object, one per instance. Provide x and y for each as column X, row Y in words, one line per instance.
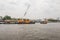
column 52, row 20
column 7, row 17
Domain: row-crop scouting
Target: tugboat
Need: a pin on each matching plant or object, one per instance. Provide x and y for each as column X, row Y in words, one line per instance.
column 44, row 22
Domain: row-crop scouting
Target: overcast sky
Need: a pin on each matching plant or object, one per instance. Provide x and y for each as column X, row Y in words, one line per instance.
column 38, row 8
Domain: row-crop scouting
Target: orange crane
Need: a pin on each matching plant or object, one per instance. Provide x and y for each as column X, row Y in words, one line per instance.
column 26, row 21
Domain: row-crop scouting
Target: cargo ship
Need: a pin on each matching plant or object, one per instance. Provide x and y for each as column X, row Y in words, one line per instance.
column 18, row 21
column 25, row 21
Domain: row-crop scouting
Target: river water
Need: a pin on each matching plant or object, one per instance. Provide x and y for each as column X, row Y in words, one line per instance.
column 50, row 31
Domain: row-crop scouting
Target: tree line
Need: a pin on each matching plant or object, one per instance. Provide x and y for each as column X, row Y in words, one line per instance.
column 6, row 17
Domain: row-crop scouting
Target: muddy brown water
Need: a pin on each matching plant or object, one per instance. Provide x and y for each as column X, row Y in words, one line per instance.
column 50, row 31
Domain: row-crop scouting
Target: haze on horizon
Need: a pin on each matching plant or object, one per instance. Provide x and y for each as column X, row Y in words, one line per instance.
column 38, row 8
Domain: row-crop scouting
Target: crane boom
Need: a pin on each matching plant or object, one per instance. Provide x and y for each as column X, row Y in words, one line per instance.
column 26, row 10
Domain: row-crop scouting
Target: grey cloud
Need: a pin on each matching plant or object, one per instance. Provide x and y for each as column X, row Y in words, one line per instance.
column 38, row 8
